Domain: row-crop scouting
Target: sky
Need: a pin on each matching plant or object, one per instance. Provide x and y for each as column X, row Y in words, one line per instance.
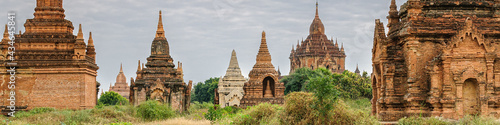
column 202, row 33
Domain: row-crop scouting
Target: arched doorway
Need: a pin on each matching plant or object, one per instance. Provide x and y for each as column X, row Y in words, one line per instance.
column 471, row 97
column 268, row 82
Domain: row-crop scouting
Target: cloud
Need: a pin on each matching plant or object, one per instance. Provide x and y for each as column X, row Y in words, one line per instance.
column 202, row 33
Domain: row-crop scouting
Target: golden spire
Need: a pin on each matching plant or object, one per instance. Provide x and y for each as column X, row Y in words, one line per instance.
column 160, row 33
column 317, row 9
column 317, row 26
column 121, row 68
column 91, row 41
column 263, row 56
column 6, row 33
column 80, row 33
column 139, row 66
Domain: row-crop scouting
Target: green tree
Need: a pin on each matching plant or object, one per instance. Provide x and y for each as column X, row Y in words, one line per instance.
column 112, row 98
column 348, row 84
column 205, row 91
column 322, row 85
column 296, row 80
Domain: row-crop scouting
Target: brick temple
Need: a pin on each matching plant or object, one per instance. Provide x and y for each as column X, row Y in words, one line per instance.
column 121, row 86
column 55, row 68
column 263, row 85
column 440, row 58
column 317, row 51
column 160, row 80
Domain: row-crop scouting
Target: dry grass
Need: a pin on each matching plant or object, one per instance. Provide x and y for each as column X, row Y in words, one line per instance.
column 178, row 121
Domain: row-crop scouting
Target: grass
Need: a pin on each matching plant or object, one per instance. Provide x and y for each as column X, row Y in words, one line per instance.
column 112, row 115
column 294, row 111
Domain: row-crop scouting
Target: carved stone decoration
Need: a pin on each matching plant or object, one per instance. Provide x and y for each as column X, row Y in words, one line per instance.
column 160, row 80
column 437, row 60
column 55, row 68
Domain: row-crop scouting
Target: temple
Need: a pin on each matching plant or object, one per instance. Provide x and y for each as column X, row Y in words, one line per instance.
column 121, row 86
column 439, row 58
column 317, row 51
column 160, row 80
column 230, row 88
column 263, row 85
column 55, row 68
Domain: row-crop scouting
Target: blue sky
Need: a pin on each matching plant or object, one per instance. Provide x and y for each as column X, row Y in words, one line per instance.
column 202, row 33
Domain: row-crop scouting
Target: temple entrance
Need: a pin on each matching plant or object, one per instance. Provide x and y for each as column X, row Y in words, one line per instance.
column 268, row 87
column 471, row 97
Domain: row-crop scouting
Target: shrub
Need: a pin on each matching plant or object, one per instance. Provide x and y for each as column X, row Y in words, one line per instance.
column 112, row 98
column 298, row 109
column 263, row 113
column 214, row 115
column 153, row 110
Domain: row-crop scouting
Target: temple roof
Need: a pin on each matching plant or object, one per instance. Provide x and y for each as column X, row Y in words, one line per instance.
column 233, row 72
column 317, row 43
column 120, row 78
column 317, row 26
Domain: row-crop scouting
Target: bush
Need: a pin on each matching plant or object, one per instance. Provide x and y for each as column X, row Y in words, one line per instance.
column 263, row 113
column 298, row 109
column 112, row 98
column 153, row 110
column 214, row 115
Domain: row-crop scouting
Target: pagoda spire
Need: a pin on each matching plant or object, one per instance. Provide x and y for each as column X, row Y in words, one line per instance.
column 6, row 34
column 317, row 26
column 317, row 15
column 393, row 14
column 80, row 33
column 90, row 47
column 139, row 66
column 121, row 68
column 160, row 33
column 263, row 56
column 91, row 41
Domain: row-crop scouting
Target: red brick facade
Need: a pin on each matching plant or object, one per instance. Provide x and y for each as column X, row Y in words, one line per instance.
column 439, row 58
column 54, row 67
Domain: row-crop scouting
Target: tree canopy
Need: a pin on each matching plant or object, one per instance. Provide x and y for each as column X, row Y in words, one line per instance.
column 112, row 98
column 205, row 91
column 348, row 84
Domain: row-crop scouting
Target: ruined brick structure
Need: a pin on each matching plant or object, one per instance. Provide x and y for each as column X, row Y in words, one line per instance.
column 230, row 89
column 439, row 58
column 317, row 51
column 54, row 67
column 160, row 80
column 263, row 85
column 121, row 86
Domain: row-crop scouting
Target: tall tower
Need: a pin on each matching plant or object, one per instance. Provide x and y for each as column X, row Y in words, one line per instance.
column 53, row 67
column 121, row 86
column 317, row 51
column 263, row 85
column 230, row 89
column 160, row 80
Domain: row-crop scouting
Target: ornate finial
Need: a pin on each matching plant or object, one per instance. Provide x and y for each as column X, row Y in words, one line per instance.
column 160, row 32
column 263, row 34
column 6, row 33
column 80, row 33
column 121, row 68
column 91, row 41
column 316, row 8
column 139, row 66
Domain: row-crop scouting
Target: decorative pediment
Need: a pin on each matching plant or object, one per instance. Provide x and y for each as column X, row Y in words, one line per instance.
column 468, row 41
